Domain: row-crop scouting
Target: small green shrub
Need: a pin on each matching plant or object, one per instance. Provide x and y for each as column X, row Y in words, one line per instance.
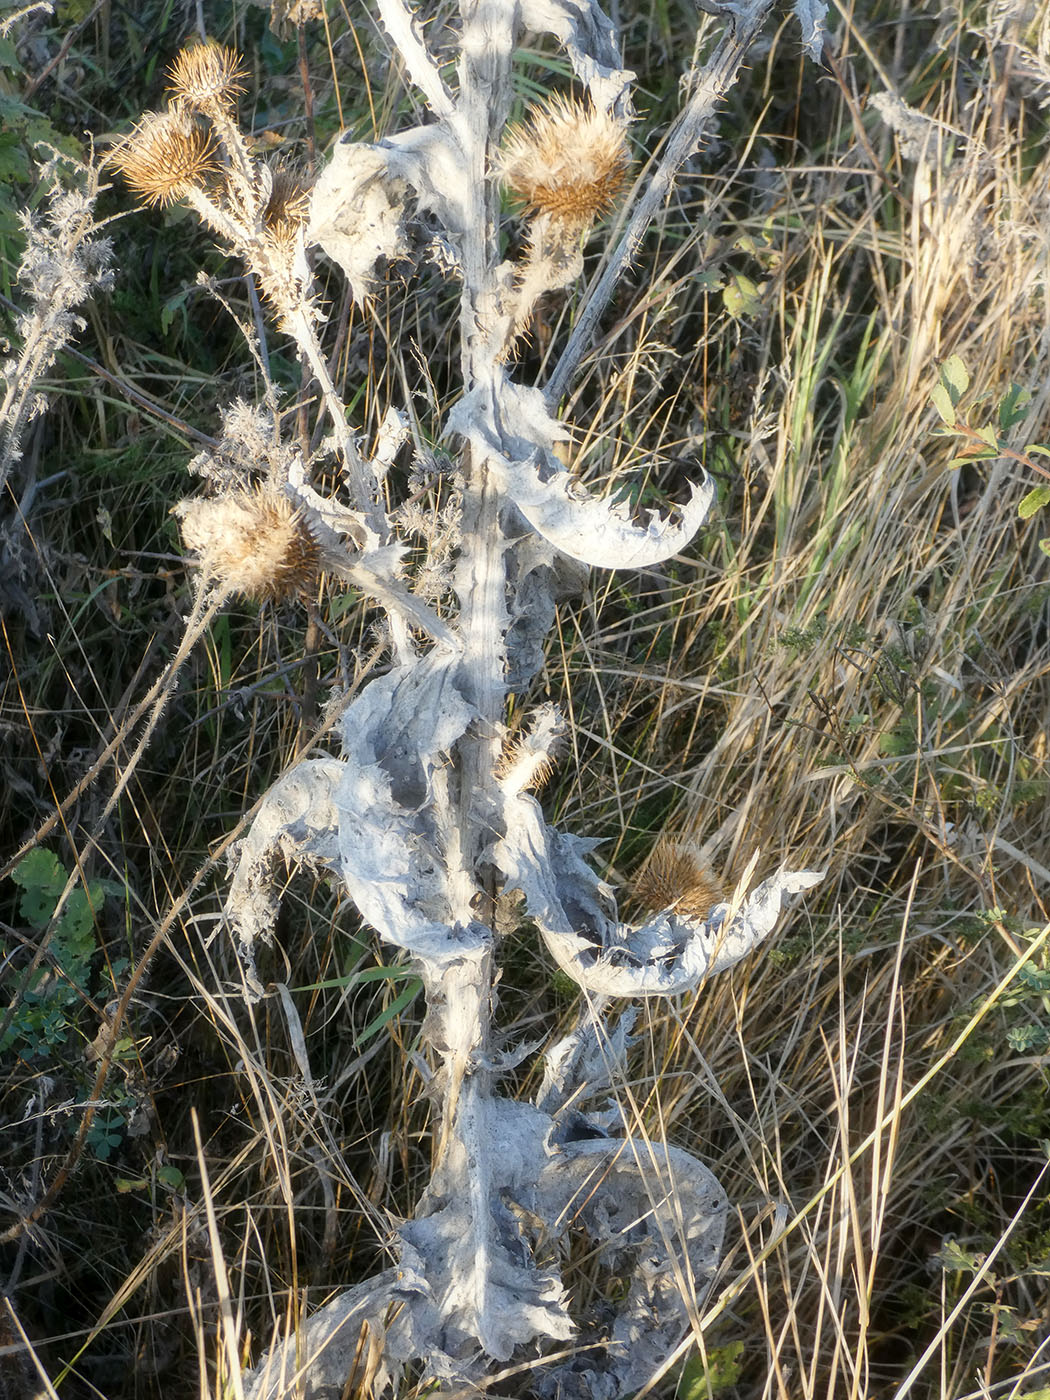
column 46, row 1010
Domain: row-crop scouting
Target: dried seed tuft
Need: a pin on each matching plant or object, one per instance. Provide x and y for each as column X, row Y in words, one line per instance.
column 567, row 161
column 529, row 755
column 164, row 158
column 520, row 768
column 252, row 542
column 289, row 202
column 676, row 877
column 206, row 76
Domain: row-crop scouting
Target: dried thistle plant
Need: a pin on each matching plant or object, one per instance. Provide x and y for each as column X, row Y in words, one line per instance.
column 426, row 817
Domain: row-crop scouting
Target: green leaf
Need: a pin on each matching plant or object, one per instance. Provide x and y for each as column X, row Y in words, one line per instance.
column 1044, row 545
column 722, row 1369
column 42, row 877
column 709, row 280
column 124, row 1184
column 1024, row 1039
column 75, row 921
column 742, row 297
column 1012, row 408
column 973, row 453
column 14, row 163
column 39, row 868
column 954, row 377
column 1037, row 978
column 391, row 1012
column 353, row 979
column 895, row 744
column 1037, row 449
column 175, row 306
column 943, row 403
column 171, row 1176
column 955, row 1259
column 1033, row 500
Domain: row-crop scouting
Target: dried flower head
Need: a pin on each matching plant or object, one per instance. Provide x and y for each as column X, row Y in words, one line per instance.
column 252, row 542
column 677, row 877
column 165, row 157
column 206, row 76
column 289, row 202
column 568, row 161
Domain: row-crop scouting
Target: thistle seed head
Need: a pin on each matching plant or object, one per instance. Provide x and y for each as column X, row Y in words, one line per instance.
column 165, row 157
column 252, row 542
column 289, row 202
column 676, row 877
column 206, row 76
column 567, row 160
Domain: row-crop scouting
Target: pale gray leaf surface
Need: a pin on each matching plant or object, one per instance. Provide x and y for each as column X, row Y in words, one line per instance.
column 535, row 586
column 482, row 1272
column 587, row 1058
column 366, row 193
column 658, row 1216
column 296, row 820
column 383, row 584
column 511, row 426
column 663, row 957
column 811, row 15
column 588, row 37
column 467, row 1267
column 595, row 531
column 430, row 158
column 314, row 1363
column 669, row 955
column 390, row 851
column 357, row 212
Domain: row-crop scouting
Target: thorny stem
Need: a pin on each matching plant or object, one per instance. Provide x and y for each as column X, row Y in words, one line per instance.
column 403, row 29
column 480, row 578
column 43, row 335
column 241, row 171
column 213, row 217
column 299, row 323
column 682, row 141
column 301, row 326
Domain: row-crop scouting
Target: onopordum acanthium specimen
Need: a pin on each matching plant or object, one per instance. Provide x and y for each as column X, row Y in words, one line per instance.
column 423, row 816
